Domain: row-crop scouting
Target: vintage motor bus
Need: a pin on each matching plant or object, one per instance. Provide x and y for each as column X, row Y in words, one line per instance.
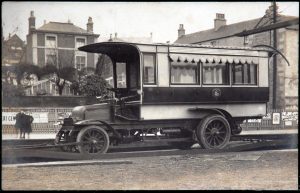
column 179, row 93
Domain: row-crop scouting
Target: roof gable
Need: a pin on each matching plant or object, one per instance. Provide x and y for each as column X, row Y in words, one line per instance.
column 14, row 40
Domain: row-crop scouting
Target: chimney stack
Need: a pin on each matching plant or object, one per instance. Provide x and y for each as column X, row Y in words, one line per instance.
column 219, row 21
column 31, row 21
column 89, row 25
column 181, row 31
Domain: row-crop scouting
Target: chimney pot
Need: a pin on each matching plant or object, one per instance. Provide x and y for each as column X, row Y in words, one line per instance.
column 219, row 21
column 181, row 31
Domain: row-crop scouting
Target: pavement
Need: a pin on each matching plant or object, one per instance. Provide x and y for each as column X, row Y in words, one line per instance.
column 32, row 136
column 52, row 135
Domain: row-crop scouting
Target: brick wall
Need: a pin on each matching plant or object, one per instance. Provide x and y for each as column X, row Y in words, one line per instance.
column 41, row 56
column 66, row 57
column 66, row 41
column 40, row 39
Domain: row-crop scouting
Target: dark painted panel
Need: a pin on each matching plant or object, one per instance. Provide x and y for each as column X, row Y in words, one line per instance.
column 205, row 94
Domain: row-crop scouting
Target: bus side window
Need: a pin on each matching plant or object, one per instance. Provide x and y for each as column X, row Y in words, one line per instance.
column 149, row 69
column 215, row 73
column 244, row 73
column 184, row 72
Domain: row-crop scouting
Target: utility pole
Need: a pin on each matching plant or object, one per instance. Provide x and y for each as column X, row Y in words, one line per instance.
column 274, row 57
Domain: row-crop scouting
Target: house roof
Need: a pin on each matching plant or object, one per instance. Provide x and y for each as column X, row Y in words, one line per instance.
column 64, row 28
column 15, row 39
column 228, row 30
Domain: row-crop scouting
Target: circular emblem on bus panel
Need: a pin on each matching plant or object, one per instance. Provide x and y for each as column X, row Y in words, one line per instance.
column 216, row 92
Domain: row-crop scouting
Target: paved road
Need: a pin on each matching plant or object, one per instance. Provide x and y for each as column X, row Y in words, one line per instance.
column 256, row 170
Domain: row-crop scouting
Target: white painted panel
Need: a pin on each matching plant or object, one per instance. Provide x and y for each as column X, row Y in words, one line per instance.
column 163, row 70
column 263, row 54
column 34, row 49
column 263, row 72
column 162, row 48
column 34, row 40
column 147, row 48
column 214, row 51
column 34, row 56
column 157, row 112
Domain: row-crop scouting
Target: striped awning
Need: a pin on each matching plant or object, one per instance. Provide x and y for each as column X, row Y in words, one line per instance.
column 191, row 58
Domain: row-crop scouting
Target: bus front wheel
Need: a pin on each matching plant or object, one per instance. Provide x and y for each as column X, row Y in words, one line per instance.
column 94, row 140
column 213, row 132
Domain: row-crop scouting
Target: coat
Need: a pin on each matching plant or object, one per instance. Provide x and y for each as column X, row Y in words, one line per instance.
column 27, row 123
column 19, row 120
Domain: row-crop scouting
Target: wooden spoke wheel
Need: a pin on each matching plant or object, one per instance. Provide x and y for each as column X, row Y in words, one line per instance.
column 94, row 140
column 213, row 132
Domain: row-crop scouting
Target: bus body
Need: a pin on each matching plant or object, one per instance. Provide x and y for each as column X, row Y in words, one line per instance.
column 187, row 93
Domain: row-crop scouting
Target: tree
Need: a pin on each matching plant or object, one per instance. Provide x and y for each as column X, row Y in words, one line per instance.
column 103, row 60
column 93, row 85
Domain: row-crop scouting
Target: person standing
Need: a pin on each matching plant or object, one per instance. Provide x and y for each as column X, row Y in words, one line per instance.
column 20, row 123
column 27, row 124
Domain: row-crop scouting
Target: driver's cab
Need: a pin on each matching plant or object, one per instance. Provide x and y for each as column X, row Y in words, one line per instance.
column 126, row 89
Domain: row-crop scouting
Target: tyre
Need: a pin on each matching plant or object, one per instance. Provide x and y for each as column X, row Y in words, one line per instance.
column 94, row 140
column 213, row 132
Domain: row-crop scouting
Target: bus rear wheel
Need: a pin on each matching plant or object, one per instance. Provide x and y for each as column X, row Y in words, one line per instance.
column 213, row 132
column 93, row 140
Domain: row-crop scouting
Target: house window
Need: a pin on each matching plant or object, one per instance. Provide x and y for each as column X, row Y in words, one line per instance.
column 149, row 69
column 248, row 39
column 80, row 42
column 80, row 62
column 184, row 73
column 51, row 57
column 244, row 74
column 215, row 73
column 51, row 41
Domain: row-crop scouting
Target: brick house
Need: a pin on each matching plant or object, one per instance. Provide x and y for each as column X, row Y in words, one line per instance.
column 287, row 43
column 56, row 43
column 13, row 50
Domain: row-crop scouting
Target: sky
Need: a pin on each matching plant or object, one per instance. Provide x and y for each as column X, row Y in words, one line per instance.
column 134, row 19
